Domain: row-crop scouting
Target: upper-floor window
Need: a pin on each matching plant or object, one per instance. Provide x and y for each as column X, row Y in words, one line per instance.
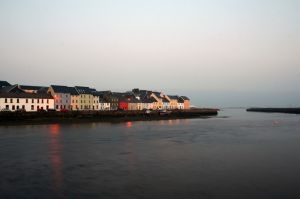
column 47, row 101
column 42, row 100
column 38, row 101
column 11, row 100
column 32, row 100
column 26, row 100
column 5, row 100
column 18, row 101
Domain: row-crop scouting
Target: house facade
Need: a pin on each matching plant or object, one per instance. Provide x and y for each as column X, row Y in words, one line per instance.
column 180, row 103
column 166, row 104
column 62, row 97
column 104, row 105
column 158, row 102
column 173, row 101
column 12, row 98
column 86, row 98
column 186, row 103
column 134, row 104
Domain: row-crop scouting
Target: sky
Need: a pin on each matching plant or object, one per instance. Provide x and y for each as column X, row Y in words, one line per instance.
column 221, row 53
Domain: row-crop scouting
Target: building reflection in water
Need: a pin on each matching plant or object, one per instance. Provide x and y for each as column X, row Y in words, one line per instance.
column 129, row 124
column 55, row 156
column 130, row 150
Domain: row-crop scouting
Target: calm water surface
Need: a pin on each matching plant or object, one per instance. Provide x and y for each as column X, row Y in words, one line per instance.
column 246, row 155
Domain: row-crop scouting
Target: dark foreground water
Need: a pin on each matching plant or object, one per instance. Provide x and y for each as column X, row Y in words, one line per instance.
column 248, row 155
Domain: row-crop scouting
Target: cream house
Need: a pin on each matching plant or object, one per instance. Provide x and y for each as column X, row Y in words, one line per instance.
column 12, row 98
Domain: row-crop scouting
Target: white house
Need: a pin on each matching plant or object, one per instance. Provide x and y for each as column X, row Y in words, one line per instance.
column 104, row 105
column 12, row 98
column 62, row 96
column 180, row 104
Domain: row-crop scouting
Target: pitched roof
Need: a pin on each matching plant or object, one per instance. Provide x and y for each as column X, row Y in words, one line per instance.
column 146, row 100
column 173, row 97
column 180, row 100
column 26, row 95
column 165, row 100
column 4, row 84
column 11, row 89
column 152, row 99
column 26, row 87
column 83, row 90
column 185, row 98
column 157, row 94
column 64, row 89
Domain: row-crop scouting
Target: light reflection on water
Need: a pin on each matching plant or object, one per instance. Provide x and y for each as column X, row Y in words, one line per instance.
column 242, row 156
column 55, row 156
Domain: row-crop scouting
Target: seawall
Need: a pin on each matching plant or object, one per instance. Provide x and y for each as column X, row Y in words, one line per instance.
column 275, row 110
column 15, row 118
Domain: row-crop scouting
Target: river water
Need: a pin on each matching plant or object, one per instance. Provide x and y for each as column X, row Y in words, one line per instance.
column 244, row 155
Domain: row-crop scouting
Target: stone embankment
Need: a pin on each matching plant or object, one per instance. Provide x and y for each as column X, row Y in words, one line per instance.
column 14, row 118
column 275, row 110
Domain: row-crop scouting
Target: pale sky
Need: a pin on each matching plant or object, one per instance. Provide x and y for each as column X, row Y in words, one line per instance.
column 219, row 53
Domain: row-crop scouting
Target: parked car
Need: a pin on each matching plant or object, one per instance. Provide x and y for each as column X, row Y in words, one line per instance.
column 64, row 110
column 5, row 110
column 21, row 110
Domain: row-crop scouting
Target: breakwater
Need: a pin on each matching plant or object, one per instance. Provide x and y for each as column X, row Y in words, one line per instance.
column 275, row 110
column 13, row 118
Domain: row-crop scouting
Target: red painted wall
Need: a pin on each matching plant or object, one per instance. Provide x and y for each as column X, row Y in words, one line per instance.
column 123, row 105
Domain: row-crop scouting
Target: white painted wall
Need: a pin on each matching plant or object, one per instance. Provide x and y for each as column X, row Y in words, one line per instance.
column 36, row 103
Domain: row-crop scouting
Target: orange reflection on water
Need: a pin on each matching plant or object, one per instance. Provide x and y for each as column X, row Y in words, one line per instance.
column 128, row 124
column 55, row 156
column 54, row 129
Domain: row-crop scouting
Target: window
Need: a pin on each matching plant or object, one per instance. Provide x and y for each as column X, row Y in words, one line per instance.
column 18, row 107
column 64, row 106
column 26, row 100
column 5, row 100
column 32, row 107
column 47, row 107
column 13, row 107
column 42, row 100
column 38, row 101
column 38, row 107
column 23, row 107
column 56, row 106
column 11, row 100
column 18, row 101
column 73, row 101
column 47, row 101
column 7, row 107
column 61, row 106
column 32, row 101
column 81, row 106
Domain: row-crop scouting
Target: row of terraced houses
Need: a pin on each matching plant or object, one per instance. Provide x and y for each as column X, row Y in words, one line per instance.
column 60, row 98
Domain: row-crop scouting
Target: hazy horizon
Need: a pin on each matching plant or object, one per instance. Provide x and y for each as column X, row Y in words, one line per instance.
column 219, row 53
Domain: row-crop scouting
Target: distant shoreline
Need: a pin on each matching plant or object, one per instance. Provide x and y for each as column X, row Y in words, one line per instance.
column 14, row 118
column 275, row 110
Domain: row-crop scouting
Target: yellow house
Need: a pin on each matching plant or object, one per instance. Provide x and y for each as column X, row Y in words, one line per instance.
column 158, row 100
column 173, row 101
column 86, row 98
